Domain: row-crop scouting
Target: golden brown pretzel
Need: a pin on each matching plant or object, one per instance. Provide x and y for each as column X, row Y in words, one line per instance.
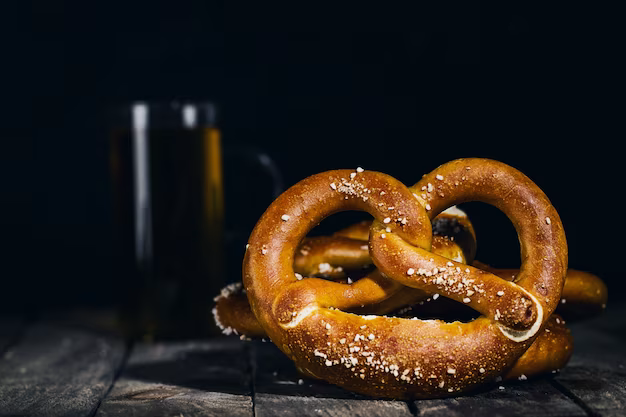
column 405, row 357
column 549, row 352
column 586, row 293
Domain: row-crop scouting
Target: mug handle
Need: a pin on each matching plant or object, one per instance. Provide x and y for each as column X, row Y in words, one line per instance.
column 235, row 236
column 260, row 157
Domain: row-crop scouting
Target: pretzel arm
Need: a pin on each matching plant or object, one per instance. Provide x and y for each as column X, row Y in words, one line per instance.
column 331, row 256
column 585, row 294
column 434, row 274
column 322, row 293
column 232, row 314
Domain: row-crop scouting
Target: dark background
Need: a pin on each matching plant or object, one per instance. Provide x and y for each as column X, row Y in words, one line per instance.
column 389, row 87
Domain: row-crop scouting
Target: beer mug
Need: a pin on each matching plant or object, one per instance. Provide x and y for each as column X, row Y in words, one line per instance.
column 167, row 176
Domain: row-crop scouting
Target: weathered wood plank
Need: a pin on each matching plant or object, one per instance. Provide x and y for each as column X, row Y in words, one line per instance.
column 596, row 374
column 280, row 390
column 600, row 383
column 285, row 406
column 57, row 371
column 530, row 398
column 208, row 378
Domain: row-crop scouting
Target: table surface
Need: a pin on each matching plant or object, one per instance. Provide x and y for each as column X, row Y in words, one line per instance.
column 60, row 366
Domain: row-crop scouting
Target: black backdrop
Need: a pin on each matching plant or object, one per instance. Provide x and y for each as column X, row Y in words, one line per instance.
column 395, row 88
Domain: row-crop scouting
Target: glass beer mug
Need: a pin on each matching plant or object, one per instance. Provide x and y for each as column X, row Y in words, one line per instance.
column 166, row 166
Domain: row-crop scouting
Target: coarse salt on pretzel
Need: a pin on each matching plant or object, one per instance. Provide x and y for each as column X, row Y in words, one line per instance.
column 391, row 357
column 585, row 293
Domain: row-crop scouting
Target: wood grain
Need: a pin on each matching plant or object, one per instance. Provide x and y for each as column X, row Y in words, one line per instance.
column 526, row 398
column 596, row 374
column 183, row 378
column 57, row 371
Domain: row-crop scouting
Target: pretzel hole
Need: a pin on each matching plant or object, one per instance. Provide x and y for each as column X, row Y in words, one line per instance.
column 349, row 276
column 499, row 244
column 440, row 308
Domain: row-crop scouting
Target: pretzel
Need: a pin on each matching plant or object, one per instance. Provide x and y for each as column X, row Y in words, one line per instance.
column 585, row 293
column 406, row 358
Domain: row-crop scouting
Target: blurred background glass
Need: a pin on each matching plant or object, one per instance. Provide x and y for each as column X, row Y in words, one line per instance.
column 166, row 167
column 166, row 162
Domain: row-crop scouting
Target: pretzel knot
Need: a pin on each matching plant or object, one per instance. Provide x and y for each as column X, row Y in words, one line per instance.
column 395, row 357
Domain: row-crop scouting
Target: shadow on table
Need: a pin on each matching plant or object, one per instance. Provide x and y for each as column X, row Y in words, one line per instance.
column 215, row 370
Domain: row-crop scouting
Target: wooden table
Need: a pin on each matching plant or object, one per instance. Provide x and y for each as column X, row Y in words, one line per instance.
column 57, row 367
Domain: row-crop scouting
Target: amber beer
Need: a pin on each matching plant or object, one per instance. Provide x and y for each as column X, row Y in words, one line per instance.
column 166, row 165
